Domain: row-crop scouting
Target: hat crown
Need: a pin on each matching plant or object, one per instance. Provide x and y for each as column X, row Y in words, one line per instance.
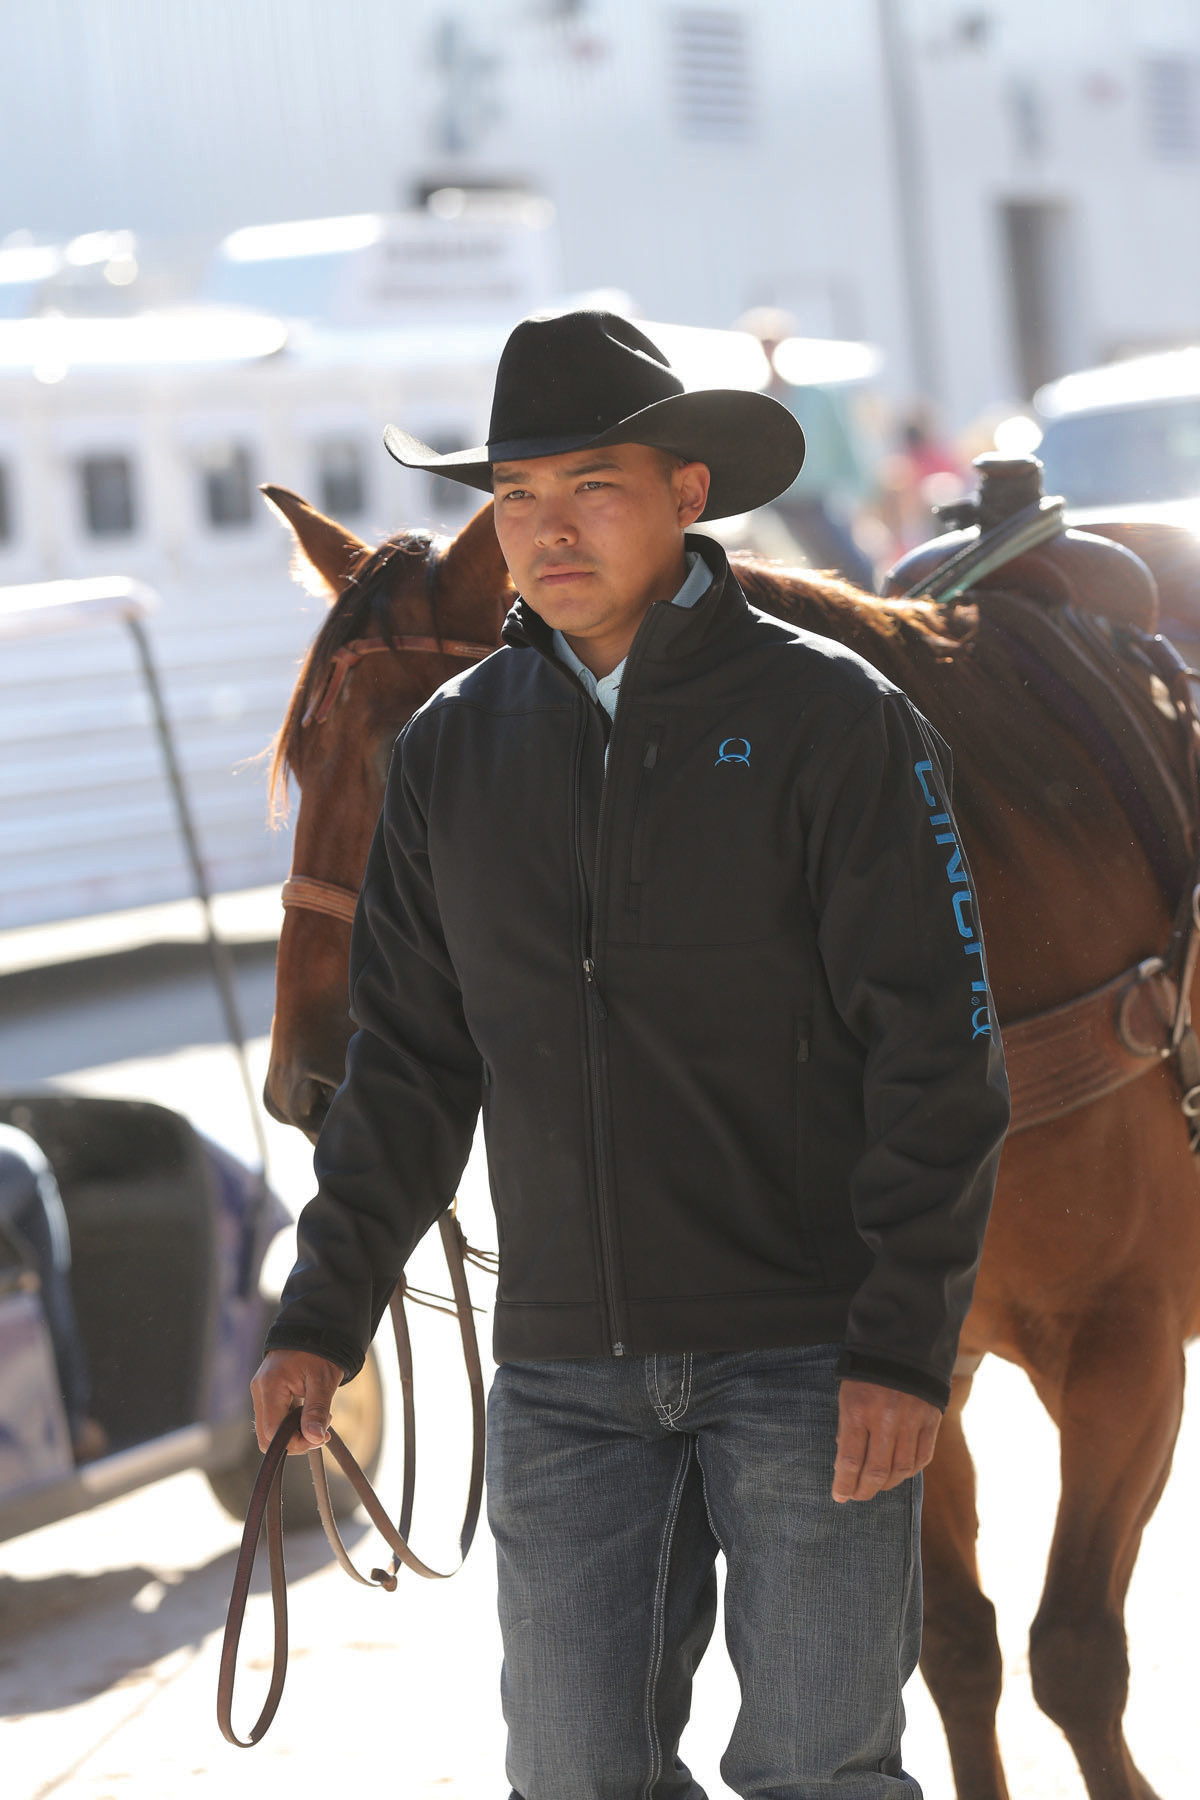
column 575, row 375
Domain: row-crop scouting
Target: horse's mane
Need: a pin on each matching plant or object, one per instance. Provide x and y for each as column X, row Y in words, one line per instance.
column 1012, row 756
column 1015, row 759
column 362, row 609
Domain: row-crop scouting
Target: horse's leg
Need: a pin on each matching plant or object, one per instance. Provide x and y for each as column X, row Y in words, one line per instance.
column 1118, row 1408
column 960, row 1655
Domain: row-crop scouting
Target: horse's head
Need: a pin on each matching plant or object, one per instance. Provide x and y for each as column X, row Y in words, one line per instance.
column 407, row 599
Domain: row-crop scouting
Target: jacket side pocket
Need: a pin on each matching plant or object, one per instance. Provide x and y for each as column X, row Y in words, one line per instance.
column 803, row 1108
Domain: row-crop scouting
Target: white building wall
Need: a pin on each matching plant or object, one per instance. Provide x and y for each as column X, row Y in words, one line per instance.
column 193, row 118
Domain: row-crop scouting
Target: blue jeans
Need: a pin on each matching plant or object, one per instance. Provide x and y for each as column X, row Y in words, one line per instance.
column 611, row 1488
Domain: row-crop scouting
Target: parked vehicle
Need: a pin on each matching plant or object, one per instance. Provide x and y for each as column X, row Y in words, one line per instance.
column 1125, row 434
column 168, row 1234
column 167, row 1231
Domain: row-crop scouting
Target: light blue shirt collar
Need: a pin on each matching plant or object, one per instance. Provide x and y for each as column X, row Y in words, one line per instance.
column 607, row 690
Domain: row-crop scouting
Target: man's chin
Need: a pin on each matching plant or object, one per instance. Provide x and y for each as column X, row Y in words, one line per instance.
column 567, row 608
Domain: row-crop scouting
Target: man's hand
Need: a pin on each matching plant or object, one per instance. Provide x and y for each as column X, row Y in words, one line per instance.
column 288, row 1378
column 884, row 1436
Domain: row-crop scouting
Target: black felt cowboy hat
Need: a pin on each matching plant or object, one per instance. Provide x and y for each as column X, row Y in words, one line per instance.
column 592, row 378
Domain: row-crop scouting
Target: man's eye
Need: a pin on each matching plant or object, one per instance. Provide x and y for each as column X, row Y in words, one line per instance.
column 516, row 494
column 596, row 484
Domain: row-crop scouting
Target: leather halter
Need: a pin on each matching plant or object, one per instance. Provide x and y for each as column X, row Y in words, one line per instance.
column 345, row 659
column 320, row 896
column 331, row 897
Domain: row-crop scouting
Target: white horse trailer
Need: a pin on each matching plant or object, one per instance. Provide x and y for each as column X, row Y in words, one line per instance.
column 133, row 445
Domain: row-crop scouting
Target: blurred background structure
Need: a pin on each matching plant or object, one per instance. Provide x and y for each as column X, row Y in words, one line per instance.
column 236, row 236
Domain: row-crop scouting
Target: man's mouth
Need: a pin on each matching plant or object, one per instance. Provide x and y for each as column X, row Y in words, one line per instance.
column 559, row 572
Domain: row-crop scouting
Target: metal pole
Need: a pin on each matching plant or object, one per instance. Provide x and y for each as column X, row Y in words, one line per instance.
column 912, row 204
column 222, row 961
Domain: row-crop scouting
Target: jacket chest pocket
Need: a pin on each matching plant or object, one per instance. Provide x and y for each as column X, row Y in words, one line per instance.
column 640, row 831
column 702, row 853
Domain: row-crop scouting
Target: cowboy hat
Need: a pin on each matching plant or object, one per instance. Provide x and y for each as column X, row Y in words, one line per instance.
column 584, row 379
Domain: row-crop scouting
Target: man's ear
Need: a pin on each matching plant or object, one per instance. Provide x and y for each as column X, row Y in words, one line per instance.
column 692, row 481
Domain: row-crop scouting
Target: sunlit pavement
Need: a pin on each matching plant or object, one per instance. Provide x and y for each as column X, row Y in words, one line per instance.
column 110, row 1625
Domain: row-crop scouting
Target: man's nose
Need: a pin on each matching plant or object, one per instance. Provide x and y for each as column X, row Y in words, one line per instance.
column 554, row 526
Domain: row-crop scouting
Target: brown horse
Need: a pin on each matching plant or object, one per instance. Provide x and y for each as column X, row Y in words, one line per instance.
column 1090, row 1279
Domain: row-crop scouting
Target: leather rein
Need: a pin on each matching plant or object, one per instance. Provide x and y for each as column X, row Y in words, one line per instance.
column 264, row 1515
column 265, row 1511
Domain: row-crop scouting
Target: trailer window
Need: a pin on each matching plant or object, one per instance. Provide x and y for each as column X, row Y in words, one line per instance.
column 228, row 485
column 108, row 497
column 6, row 511
column 448, row 500
column 341, row 478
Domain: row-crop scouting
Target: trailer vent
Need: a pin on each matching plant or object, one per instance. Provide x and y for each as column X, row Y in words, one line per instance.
column 1169, row 87
column 711, row 61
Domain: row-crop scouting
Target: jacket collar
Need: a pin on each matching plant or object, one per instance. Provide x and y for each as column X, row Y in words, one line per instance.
column 670, row 631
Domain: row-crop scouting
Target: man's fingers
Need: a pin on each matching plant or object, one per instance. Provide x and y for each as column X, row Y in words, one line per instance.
column 287, row 1379
column 314, row 1421
column 884, row 1438
column 927, row 1442
column 851, row 1454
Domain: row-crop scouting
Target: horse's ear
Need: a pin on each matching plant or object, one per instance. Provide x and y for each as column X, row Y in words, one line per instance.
column 473, row 563
column 325, row 546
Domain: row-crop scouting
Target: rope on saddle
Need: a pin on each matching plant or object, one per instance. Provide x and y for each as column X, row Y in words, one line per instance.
column 264, row 1515
column 1012, row 537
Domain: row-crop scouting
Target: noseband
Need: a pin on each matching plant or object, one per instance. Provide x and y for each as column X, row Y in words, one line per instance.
column 329, row 897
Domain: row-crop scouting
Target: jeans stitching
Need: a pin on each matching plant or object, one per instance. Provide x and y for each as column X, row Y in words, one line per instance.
column 685, row 1388
column 906, row 1589
column 658, row 1618
column 712, row 1524
column 669, row 1414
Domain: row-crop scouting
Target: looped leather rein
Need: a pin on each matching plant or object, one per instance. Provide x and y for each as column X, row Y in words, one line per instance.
column 265, row 1511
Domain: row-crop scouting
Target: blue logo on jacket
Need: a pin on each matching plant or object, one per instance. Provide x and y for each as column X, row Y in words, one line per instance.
column 733, row 750
column 961, row 899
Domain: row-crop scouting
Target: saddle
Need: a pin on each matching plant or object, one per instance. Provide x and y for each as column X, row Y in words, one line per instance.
column 1076, row 614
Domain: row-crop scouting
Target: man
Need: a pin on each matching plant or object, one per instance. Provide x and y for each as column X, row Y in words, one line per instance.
column 658, row 883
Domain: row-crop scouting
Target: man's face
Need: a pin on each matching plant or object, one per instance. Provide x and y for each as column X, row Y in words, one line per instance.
column 592, row 539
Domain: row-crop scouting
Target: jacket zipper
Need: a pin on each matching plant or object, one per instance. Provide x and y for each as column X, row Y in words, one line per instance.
column 597, row 1011
column 597, row 1014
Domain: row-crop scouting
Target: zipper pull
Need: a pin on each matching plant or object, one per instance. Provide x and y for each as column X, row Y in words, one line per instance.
column 589, row 975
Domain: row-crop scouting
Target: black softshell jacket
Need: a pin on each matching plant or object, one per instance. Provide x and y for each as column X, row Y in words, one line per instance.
column 724, row 1005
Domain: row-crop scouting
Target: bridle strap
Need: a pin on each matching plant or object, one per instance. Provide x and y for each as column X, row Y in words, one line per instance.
column 320, row 896
column 349, row 655
column 265, row 1511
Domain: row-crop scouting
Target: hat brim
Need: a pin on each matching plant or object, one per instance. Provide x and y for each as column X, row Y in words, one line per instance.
column 752, row 446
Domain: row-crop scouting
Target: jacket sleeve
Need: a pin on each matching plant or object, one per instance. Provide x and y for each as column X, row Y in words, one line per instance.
column 399, row 1129
column 898, row 933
